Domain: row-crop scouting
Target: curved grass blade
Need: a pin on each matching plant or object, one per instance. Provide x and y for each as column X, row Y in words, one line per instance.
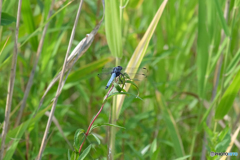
column 140, row 51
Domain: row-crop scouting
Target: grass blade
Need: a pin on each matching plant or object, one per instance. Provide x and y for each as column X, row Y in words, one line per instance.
column 140, row 51
column 113, row 27
column 227, row 100
column 222, row 19
column 171, row 126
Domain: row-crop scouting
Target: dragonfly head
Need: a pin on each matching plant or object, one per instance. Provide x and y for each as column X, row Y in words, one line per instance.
column 119, row 67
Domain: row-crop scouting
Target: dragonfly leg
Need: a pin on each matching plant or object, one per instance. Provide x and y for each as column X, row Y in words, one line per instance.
column 120, row 78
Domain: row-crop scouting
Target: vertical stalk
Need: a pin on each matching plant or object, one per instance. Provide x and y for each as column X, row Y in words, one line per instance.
column 11, row 84
column 111, row 149
column 60, row 85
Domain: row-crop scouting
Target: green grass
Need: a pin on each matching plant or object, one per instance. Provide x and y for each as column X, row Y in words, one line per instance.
column 190, row 50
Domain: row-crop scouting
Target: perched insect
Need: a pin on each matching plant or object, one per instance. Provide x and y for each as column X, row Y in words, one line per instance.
column 117, row 71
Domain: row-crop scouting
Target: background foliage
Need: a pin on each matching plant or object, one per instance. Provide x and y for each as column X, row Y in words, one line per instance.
column 193, row 52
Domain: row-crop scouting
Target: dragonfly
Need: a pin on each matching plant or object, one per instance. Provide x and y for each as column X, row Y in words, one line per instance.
column 117, row 71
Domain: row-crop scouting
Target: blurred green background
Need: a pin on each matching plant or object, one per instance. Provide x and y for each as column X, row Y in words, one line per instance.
column 183, row 59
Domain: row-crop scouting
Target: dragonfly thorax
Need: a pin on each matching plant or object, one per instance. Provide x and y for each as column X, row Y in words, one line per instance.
column 117, row 70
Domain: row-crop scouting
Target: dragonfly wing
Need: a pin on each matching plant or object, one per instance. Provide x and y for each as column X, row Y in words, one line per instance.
column 141, row 74
column 107, row 70
column 137, row 76
column 128, row 69
column 135, row 70
column 103, row 76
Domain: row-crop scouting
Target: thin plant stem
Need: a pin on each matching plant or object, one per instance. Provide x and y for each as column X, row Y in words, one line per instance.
column 30, row 81
column 11, row 83
column 89, row 127
column 44, row 140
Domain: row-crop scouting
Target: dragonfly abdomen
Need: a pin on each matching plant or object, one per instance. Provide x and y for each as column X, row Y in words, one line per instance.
column 110, row 80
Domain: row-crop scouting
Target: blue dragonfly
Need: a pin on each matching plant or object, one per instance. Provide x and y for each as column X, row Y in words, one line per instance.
column 117, row 71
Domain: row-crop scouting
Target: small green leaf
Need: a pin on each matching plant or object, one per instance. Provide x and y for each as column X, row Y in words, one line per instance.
column 7, row 19
column 208, row 131
column 77, row 142
column 105, row 124
column 117, row 87
column 85, row 152
column 126, row 75
column 227, row 100
column 145, row 149
column 222, row 146
column 223, row 133
column 128, row 81
column 69, row 155
column 98, row 140
column 154, row 146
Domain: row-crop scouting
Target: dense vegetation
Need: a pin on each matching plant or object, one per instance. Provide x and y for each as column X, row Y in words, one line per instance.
column 187, row 107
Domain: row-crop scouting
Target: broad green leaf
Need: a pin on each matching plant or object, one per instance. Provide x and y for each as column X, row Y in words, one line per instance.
column 171, row 126
column 113, row 27
column 7, row 19
column 86, row 70
column 140, row 51
column 227, row 100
